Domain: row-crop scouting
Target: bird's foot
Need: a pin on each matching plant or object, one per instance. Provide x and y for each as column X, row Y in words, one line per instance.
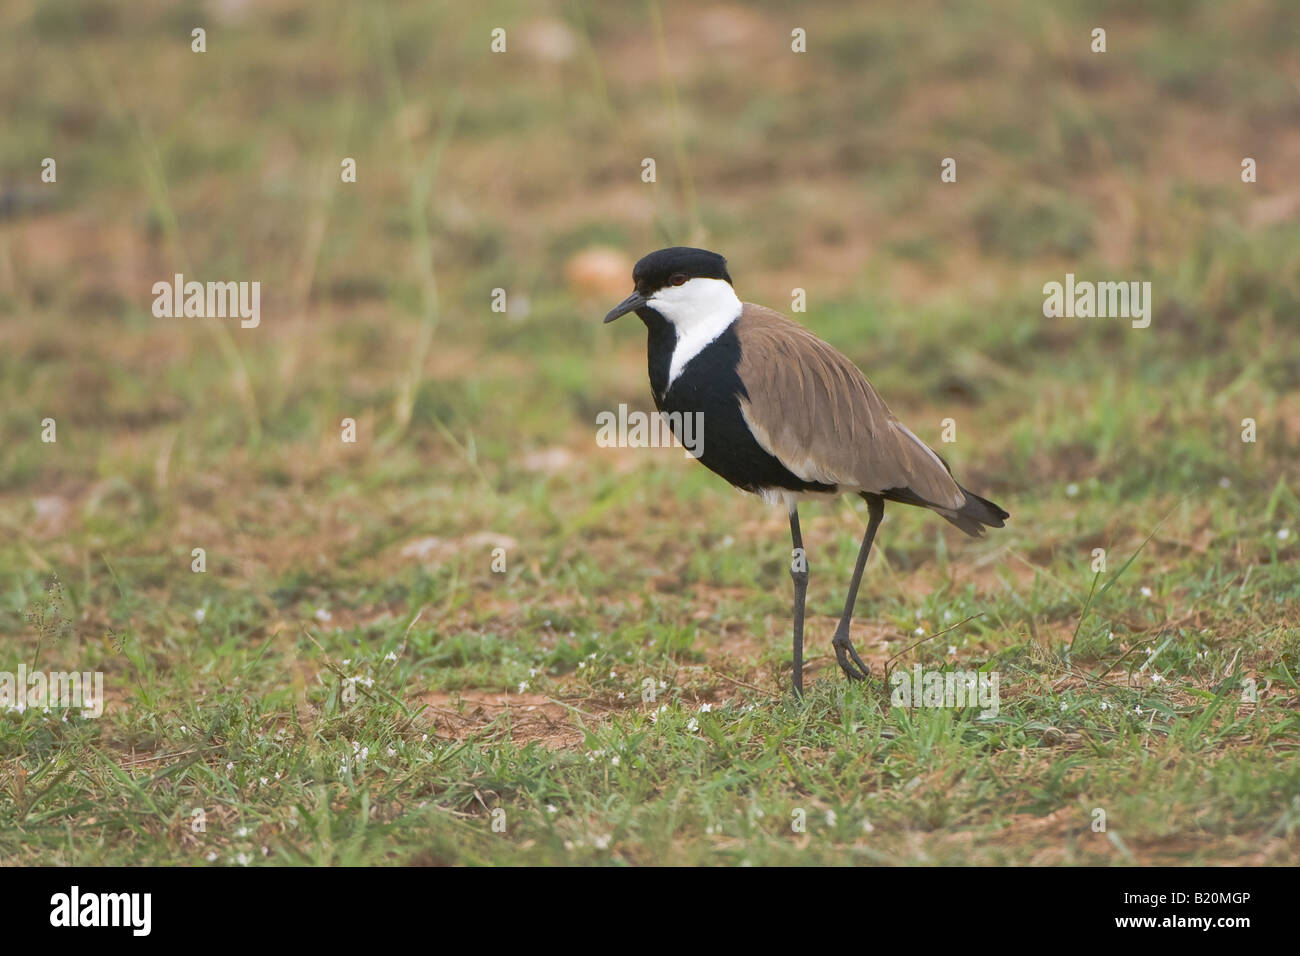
column 850, row 662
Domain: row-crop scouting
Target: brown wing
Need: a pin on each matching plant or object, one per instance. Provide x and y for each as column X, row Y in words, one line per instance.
column 818, row 415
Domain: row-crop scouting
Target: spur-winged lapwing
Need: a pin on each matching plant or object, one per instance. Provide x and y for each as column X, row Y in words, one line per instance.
column 784, row 415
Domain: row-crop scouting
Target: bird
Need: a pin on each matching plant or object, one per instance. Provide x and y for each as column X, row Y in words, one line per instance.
column 784, row 416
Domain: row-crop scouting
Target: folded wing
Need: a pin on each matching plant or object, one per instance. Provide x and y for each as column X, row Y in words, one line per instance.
column 813, row 410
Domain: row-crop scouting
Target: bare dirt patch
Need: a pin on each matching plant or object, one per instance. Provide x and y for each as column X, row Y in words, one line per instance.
column 521, row 717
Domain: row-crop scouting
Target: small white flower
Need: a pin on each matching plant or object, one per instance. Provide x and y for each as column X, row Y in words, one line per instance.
column 612, row 675
column 200, row 614
column 620, row 695
column 322, row 614
column 1064, row 705
column 1105, row 706
column 600, row 842
column 830, row 818
column 692, row 725
column 1146, row 591
column 1225, row 482
column 551, row 808
column 532, row 672
column 1156, row 678
column 211, row 857
column 1283, row 533
column 391, row 657
column 523, row 686
column 866, row 825
column 242, row 832
column 705, row 708
column 230, row 766
column 952, row 649
column 919, row 631
column 614, row 760
column 1071, row 490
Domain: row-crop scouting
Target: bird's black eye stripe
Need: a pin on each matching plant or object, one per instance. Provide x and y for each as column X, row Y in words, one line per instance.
column 678, row 279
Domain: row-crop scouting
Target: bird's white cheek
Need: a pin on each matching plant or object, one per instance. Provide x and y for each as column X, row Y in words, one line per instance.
column 699, row 302
column 700, row 310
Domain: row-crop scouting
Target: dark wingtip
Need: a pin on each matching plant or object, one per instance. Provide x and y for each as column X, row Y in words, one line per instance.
column 979, row 513
column 973, row 517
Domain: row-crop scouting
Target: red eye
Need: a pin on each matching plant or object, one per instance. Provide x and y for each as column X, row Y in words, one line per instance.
column 678, row 279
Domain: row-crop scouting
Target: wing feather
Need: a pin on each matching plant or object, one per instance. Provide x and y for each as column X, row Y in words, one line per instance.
column 813, row 410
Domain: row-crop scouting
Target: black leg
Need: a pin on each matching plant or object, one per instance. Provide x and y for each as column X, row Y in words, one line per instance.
column 844, row 651
column 799, row 572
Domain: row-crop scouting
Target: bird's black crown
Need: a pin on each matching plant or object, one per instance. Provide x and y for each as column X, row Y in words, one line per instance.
column 657, row 269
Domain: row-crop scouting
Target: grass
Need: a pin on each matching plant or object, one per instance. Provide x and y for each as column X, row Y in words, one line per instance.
column 351, row 682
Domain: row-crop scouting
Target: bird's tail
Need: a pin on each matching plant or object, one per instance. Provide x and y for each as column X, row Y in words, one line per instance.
column 977, row 514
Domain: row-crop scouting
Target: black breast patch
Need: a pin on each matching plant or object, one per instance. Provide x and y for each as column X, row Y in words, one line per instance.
column 711, row 385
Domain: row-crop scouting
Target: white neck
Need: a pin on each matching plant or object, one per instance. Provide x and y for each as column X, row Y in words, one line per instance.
column 700, row 310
